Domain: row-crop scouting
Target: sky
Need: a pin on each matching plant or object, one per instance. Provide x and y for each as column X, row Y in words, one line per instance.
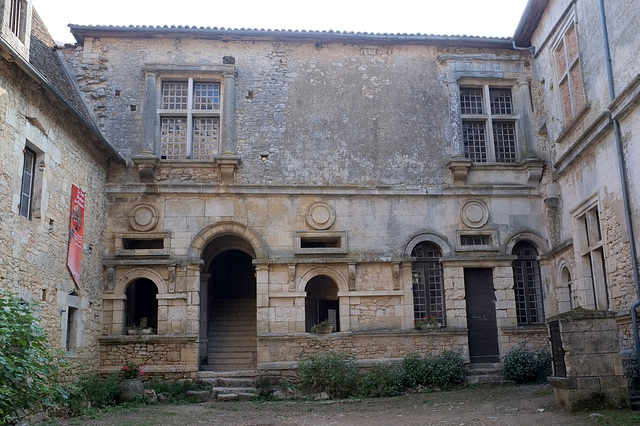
column 490, row 18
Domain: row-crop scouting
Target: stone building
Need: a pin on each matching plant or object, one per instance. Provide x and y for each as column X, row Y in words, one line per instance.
column 276, row 179
column 49, row 143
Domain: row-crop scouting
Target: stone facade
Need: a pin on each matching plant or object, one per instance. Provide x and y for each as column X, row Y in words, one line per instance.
column 347, row 177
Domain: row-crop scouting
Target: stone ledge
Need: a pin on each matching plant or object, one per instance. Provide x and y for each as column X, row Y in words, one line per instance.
column 365, row 334
column 147, row 338
column 525, row 329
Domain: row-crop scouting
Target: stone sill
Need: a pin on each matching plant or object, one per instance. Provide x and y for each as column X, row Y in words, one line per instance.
column 384, row 333
column 147, row 338
column 532, row 329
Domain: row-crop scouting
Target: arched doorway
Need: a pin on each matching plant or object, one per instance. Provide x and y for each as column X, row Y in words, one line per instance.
column 142, row 304
column 228, row 311
column 322, row 302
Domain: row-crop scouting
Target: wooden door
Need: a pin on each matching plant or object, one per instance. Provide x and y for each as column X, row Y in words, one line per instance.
column 481, row 316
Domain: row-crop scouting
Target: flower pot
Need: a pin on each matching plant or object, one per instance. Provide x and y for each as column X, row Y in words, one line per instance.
column 326, row 330
column 129, row 388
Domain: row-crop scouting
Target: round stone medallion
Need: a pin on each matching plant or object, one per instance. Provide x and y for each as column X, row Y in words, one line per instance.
column 143, row 217
column 475, row 214
column 321, row 216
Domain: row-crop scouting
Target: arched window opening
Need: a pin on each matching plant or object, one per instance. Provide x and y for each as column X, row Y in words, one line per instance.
column 322, row 302
column 142, row 304
column 566, row 291
column 428, row 289
column 527, row 284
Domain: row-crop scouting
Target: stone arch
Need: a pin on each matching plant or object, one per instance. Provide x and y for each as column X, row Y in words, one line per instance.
column 137, row 273
column 566, row 291
column 223, row 228
column 538, row 242
column 431, row 237
column 337, row 277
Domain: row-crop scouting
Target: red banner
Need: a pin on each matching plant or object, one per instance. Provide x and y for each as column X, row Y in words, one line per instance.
column 76, row 229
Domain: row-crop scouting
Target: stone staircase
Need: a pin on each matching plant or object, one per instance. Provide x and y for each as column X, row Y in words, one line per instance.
column 230, row 385
column 232, row 336
column 486, row 374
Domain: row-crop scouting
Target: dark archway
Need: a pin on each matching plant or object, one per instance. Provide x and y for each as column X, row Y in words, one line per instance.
column 228, row 312
column 322, row 302
column 142, row 304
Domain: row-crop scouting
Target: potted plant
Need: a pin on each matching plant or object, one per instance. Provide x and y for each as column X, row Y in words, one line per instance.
column 427, row 322
column 131, row 384
column 138, row 330
column 323, row 327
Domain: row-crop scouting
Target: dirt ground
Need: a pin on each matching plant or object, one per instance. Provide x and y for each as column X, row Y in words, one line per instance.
column 509, row 405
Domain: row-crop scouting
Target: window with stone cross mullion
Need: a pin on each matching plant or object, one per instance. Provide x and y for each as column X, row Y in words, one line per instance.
column 488, row 124
column 189, row 129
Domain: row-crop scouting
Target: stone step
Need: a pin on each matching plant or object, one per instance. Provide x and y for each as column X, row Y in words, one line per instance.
column 230, row 382
column 249, row 373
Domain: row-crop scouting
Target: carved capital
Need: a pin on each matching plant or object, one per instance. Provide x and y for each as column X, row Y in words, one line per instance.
column 459, row 167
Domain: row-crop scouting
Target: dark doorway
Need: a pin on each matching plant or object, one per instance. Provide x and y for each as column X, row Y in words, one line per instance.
column 481, row 316
column 142, row 304
column 322, row 302
column 231, row 328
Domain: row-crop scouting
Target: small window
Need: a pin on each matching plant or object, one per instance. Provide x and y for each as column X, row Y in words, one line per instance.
column 17, row 18
column 28, row 174
column 141, row 244
column 475, row 240
column 189, row 120
column 488, row 124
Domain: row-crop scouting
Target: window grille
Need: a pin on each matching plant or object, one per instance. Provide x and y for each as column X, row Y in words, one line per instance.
column 488, row 128
column 527, row 285
column 428, row 289
column 16, row 18
column 474, row 240
column 190, row 120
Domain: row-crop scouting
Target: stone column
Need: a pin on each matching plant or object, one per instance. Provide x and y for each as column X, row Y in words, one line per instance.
column 228, row 142
column 149, row 114
column 406, row 285
column 523, row 109
column 204, row 313
column 262, row 298
column 455, row 119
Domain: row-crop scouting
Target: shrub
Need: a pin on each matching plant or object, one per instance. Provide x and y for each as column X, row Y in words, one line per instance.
column 329, row 372
column 177, row 389
column 440, row 371
column 526, row 366
column 380, row 381
column 94, row 391
column 28, row 373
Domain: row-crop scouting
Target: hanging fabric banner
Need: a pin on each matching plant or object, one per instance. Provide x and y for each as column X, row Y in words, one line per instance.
column 76, row 229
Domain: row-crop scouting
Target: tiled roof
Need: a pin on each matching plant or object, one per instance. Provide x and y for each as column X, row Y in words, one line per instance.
column 146, row 31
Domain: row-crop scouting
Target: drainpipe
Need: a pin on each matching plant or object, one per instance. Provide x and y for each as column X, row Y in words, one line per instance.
column 625, row 188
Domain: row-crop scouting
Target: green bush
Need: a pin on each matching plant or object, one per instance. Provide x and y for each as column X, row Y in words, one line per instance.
column 28, row 369
column 94, row 391
column 329, row 372
column 380, row 381
column 526, row 366
column 441, row 371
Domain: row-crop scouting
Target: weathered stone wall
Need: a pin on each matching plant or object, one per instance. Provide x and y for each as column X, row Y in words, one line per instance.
column 33, row 253
column 169, row 357
column 288, row 349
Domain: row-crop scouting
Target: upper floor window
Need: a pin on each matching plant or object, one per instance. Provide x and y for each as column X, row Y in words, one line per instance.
column 527, row 284
column 569, row 73
column 189, row 119
column 17, row 17
column 488, row 124
column 28, row 174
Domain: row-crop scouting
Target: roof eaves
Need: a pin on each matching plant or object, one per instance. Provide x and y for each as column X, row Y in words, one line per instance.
column 80, row 32
column 529, row 22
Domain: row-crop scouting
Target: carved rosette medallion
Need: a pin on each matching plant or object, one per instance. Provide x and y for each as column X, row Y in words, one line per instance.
column 475, row 214
column 143, row 217
column 321, row 216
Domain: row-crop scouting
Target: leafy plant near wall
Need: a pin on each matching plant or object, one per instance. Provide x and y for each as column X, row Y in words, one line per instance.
column 442, row 371
column 526, row 366
column 330, row 372
column 28, row 368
